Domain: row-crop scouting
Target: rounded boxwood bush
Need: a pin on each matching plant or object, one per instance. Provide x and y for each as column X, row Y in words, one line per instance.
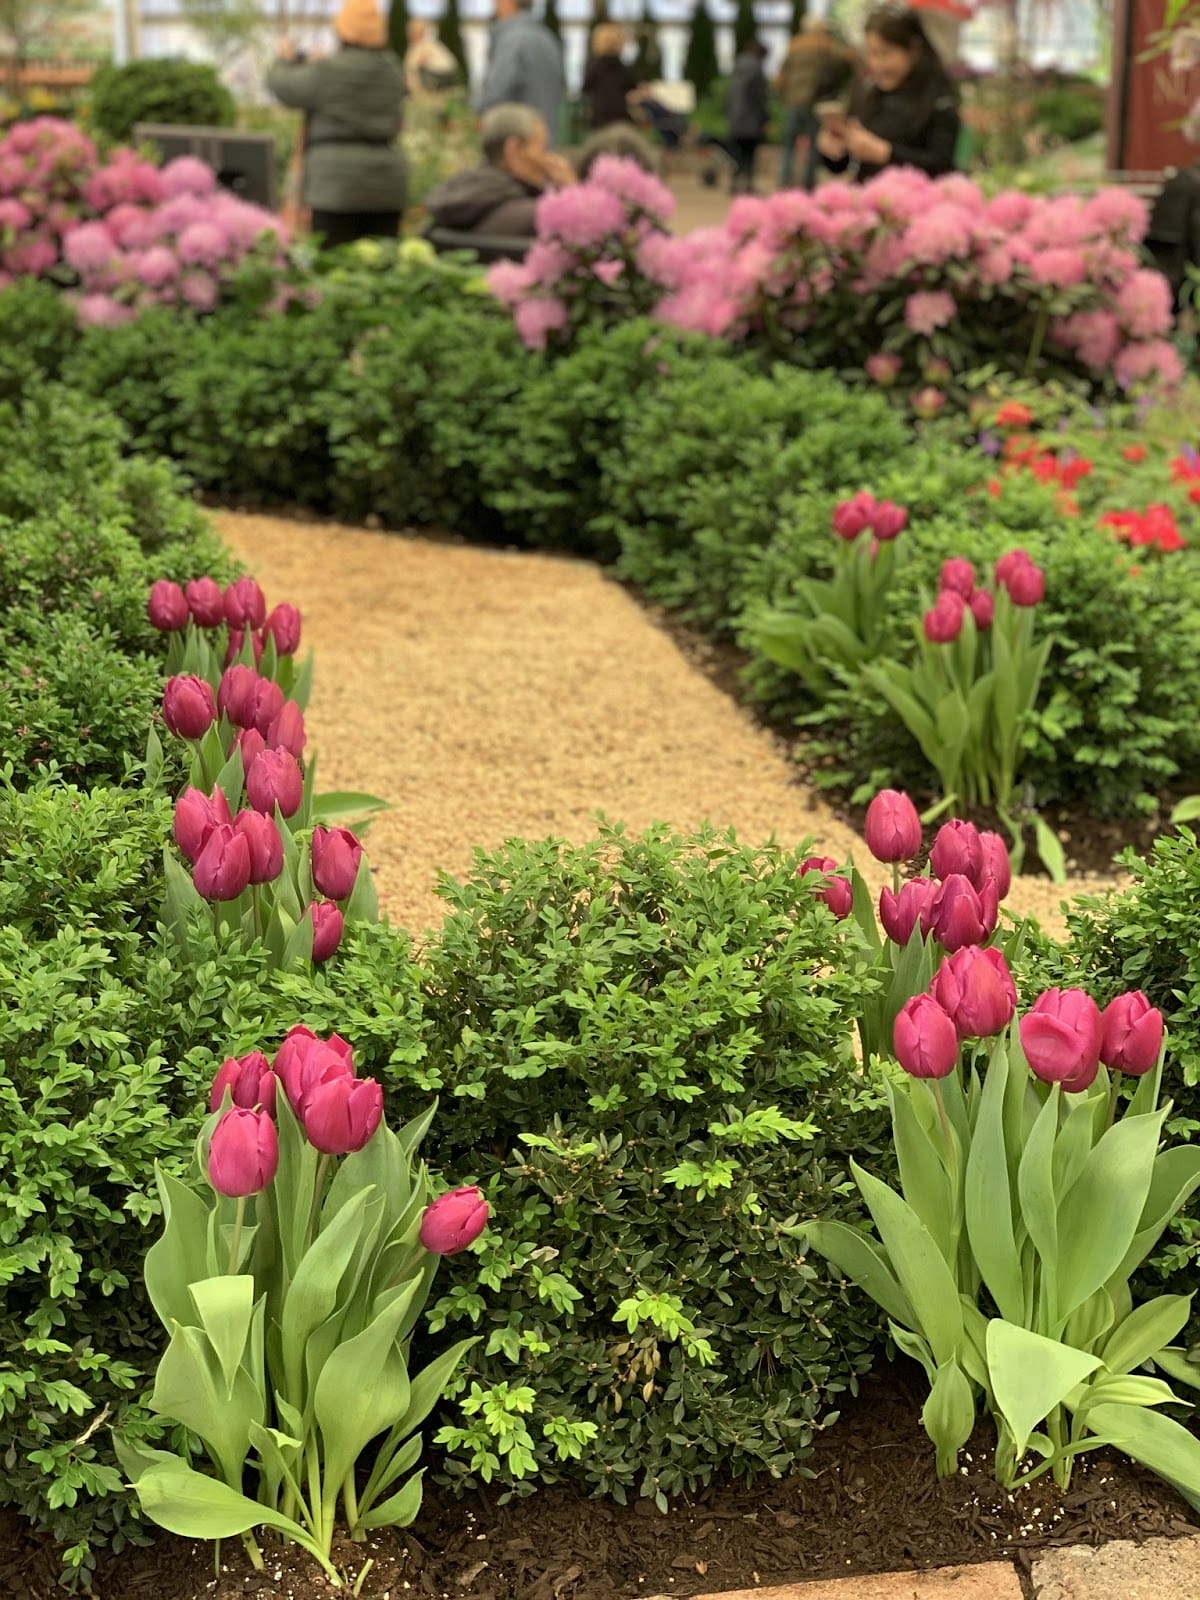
column 188, row 93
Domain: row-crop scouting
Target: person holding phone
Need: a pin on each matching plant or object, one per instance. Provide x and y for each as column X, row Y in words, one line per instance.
column 903, row 112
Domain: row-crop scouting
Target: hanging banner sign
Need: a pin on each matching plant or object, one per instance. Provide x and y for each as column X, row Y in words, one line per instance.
column 1148, row 99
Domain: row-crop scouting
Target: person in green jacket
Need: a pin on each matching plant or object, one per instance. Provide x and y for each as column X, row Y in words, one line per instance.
column 354, row 178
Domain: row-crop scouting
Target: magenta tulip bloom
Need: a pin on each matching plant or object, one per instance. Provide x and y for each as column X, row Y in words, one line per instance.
column 235, row 694
column 188, row 707
column 251, row 744
column 995, row 863
column 243, row 1155
column 336, row 854
column 206, row 602
column 963, row 915
column 453, row 1221
column 983, row 609
column 1011, row 561
column 286, row 731
column 273, row 779
column 328, row 927
column 222, row 869
column 249, row 1080
column 237, row 638
column 268, row 703
column 1132, row 1034
column 957, row 577
column 340, row 1113
column 957, row 848
column 850, row 517
column 944, row 620
column 836, row 892
column 893, row 828
column 1026, row 585
column 303, row 1059
column 166, row 608
column 888, row 520
column 264, row 842
column 925, row 1039
column 284, row 626
column 196, row 815
column 1061, row 1038
column 245, row 604
column 975, row 988
column 901, row 913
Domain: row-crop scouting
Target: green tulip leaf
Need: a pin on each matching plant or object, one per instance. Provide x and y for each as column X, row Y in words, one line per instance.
column 922, row 1161
column 1175, row 1362
column 189, row 1389
column 345, row 804
column 1049, row 849
column 1099, row 1216
column 297, row 949
column 948, row 1416
column 226, row 1307
column 1146, row 1331
column 1035, row 1185
column 430, row 1384
column 194, row 1506
column 987, row 1197
column 180, row 1256
column 400, row 1510
column 390, row 1464
column 861, row 1260
column 363, row 1390
column 915, row 1348
column 1176, row 1178
column 1031, row 1375
column 919, row 1265
column 1128, row 1389
column 1156, row 1441
column 313, row 1292
column 363, row 904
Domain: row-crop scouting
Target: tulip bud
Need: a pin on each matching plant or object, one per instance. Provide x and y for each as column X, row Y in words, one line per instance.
column 328, row 927
column 994, row 863
column 245, row 604
column 188, row 707
column 957, row 576
column 222, row 869
column 1132, row 1034
column 251, row 744
column 268, row 703
column 250, row 1081
column 1061, row 1038
column 888, row 520
column 928, row 403
column 900, row 913
column 166, row 608
column 983, row 609
column 286, row 731
column 273, row 779
column 196, row 815
column 453, row 1221
column 237, row 638
column 957, row 848
column 975, row 988
column 340, row 1113
column 264, row 843
column 944, row 620
column 206, row 602
column 836, row 892
column 1010, row 562
column 924, row 1039
column 893, row 828
column 302, row 1059
column 1026, row 585
column 243, row 1155
column 284, row 626
column 336, row 854
column 963, row 915
column 235, row 695
column 850, row 517
column 884, row 368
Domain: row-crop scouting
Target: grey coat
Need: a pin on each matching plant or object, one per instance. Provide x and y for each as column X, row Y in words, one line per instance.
column 746, row 99
column 485, row 200
column 526, row 68
column 354, row 103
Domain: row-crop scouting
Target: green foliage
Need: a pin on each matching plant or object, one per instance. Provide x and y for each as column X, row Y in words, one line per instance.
column 745, row 25
column 38, row 329
column 398, row 27
column 450, row 32
column 184, row 92
column 700, row 64
column 1069, row 112
column 551, row 19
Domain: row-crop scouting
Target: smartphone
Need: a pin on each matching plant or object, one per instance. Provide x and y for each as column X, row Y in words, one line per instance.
column 826, row 110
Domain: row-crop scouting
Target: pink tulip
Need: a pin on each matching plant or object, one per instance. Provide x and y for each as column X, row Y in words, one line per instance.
column 957, row 848
column 328, row 927
column 1132, row 1034
column 888, row 520
column 251, row 744
column 850, row 517
column 250, row 1081
column 836, row 892
column 963, row 915
column 1061, row 1038
column 901, row 913
column 268, row 703
column 336, row 854
column 925, row 1039
column 284, row 626
column 975, row 988
column 196, row 815
column 235, row 695
column 245, row 605
column 206, row 602
column 892, row 828
column 983, row 609
column 341, row 1113
column 286, row 731
column 273, row 779
column 237, row 638
column 957, row 577
column 188, row 707
column 453, row 1221
column 994, row 863
column 264, row 842
column 1011, row 561
column 243, row 1154
column 1026, row 586
column 222, row 869
column 166, row 608
column 302, row 1059
column 944, row 620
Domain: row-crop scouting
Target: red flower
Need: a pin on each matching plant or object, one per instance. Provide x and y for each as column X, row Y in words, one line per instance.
column 1135, row 453
column 1012, row 414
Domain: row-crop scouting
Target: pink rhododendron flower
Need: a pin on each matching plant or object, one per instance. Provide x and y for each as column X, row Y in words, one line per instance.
column 509, row 281
column 89, row 248
column 636, row 188
column 581, row 216
column 200, row 291
column 101, row 311
column 203, row 244
column 187, row 175
column 1063, row 268
column 928, row 310
column 537, row 319
column 940, row 234
column 1144, row 305
column 1155, row 362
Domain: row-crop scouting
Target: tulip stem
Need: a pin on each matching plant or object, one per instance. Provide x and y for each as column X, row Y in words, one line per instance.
column 252, row 1550
column 235, row 1248
column 318, row 1185
column 895, row 877
column 947, row 1133
column 256, row 902
column 1114, row 1096
column 351, row 1498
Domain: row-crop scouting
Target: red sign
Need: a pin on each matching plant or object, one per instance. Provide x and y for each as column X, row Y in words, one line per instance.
column 1148, row 99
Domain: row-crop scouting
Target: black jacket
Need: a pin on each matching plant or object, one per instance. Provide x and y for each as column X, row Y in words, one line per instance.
column 486, row 200
column 606, row 83
column 922, row 132
column 746, row 101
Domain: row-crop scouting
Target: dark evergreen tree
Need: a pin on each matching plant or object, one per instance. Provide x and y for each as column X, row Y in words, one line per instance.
column 600, row 13
column 745, row 25
column 648, row 66
column 398, row 26
column 551, row 19
column 799, row 13
column 451, row 32
column 700, row 65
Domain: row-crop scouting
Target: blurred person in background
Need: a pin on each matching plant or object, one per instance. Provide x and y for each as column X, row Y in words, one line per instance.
column 525, row 66
column 903, row 110
column 805, row 68
column 746, row 105
column 499, row 198
column 354, row 178
column 430, row 70
column 608, row 82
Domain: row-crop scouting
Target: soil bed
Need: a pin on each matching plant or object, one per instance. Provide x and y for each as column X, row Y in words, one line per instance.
column 873, row 1505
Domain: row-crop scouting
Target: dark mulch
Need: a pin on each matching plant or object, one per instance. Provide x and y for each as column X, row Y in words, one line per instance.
column 874, row 1505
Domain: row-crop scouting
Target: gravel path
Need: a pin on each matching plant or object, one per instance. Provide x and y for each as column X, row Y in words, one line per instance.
column 488, row 694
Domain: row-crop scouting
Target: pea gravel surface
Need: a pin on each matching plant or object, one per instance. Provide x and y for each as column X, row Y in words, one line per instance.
column 490, row 694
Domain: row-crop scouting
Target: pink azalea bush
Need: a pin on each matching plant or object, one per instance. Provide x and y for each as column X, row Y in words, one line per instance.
column 912, row 279
column 123, row 235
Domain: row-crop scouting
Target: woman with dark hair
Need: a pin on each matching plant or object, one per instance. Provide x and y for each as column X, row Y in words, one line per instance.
column 902, row 113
